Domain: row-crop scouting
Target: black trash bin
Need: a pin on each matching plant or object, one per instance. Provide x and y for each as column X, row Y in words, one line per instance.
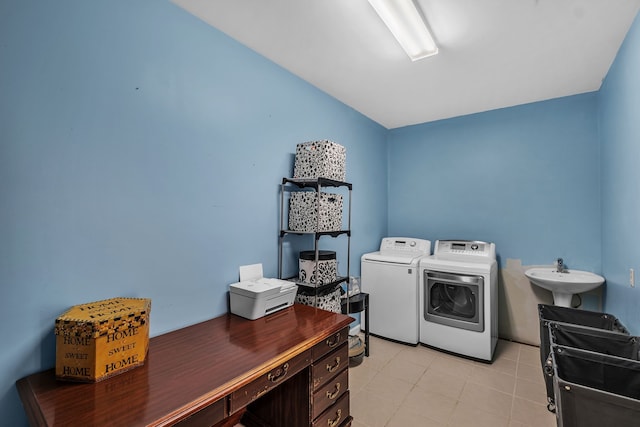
column 594, row 389
column 589, row 321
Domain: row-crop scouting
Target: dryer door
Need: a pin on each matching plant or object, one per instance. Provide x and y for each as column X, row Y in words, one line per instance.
column 455, row 300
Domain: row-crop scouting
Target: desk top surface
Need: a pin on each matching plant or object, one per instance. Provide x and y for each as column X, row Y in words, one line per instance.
column 185, row 370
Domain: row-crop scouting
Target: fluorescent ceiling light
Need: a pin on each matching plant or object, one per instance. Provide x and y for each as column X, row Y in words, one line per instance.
column 406, row 24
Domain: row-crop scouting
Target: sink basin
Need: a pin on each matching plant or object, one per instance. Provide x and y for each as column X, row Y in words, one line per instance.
column 563, row 285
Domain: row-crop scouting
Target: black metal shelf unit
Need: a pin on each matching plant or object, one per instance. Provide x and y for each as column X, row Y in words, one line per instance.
column 289, row 185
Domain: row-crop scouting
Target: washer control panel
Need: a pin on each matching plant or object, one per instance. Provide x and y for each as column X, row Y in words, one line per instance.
column 405, row 245
column 464, row 248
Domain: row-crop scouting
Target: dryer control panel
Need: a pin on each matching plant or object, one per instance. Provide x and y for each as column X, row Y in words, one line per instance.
column 405, row 245
column 468, row 249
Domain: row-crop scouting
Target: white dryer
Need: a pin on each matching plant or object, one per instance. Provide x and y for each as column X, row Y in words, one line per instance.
column 459, row 298
column 391, row 277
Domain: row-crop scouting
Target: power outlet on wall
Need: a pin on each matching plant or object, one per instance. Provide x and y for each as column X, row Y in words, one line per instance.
column 632, row 278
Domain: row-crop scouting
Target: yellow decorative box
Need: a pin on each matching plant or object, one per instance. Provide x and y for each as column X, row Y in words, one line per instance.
column 100, row 339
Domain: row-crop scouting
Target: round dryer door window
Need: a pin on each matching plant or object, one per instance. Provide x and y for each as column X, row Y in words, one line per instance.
column 454, row 299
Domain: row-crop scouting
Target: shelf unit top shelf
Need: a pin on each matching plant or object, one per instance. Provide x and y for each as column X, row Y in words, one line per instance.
column 318, row 234
column 316, row 182
column 318, row 288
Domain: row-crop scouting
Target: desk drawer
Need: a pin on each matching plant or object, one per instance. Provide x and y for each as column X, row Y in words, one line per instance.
column 205, row 417
column 330, row 393
column 330, row 366
column 266, row 382
column 336, row 415
column 331, row 343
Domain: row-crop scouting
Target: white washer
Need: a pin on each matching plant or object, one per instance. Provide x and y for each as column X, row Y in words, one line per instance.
column 459, row 298
column 391, row 276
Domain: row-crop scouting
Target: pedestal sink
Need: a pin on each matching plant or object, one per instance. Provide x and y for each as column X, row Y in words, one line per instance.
column 563, row 284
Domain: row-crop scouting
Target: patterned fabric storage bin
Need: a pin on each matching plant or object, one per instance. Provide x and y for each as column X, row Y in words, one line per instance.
column 326, row 299
column 327, row 271
column 303, row 211
column 320, row 159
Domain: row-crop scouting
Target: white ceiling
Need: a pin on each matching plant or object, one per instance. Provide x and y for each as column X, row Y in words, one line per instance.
column 493, row 53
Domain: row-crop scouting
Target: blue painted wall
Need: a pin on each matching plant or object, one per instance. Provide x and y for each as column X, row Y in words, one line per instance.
column 141, row 153
column 619, row 102
column 526, row 178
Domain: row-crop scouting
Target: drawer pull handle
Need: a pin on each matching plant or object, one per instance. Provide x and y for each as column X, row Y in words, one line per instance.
column 333, row 341
column 279, row 374
column 333, row 395
column 334, row 422
column 333, row 368
column 259, row 393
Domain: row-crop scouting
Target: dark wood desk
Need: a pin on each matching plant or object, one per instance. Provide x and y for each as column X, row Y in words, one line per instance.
column 275, row 368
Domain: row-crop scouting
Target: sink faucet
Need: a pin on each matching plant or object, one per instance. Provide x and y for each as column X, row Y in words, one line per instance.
column 560, row 266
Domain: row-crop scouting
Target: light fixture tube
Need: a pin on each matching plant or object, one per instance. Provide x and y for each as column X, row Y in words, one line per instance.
column 405, row 23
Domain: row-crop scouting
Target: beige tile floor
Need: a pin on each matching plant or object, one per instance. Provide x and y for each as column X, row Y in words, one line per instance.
column 401, row 386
